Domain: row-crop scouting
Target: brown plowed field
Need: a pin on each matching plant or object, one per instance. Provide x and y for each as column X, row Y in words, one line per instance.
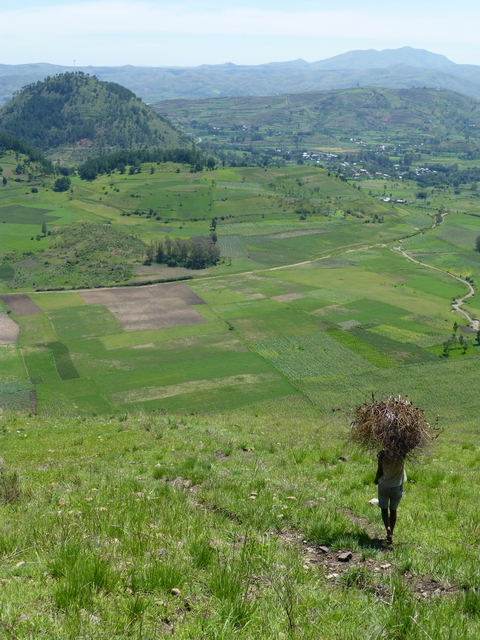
column 21, row 305
column 146, row 308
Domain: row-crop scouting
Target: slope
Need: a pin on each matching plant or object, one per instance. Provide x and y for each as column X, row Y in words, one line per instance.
column 75, row 116
column 346, row 112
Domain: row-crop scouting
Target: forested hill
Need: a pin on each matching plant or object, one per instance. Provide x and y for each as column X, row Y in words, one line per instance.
column 75, row 116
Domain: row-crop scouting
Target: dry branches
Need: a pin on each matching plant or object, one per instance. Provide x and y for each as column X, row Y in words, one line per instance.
column 395, row 426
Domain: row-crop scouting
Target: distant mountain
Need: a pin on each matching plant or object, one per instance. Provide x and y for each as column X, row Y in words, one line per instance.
column 75, row 116
column 392, row 68
column 372, row 59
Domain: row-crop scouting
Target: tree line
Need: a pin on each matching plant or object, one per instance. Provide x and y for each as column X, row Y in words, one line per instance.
column 440, row 174
column 11, row 143
column 119, row 160
column 193, row 253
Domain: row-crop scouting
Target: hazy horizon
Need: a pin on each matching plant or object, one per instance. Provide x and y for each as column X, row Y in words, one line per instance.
column 156, row 33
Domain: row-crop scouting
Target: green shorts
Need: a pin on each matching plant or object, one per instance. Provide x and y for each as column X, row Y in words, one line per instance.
column 391, row 495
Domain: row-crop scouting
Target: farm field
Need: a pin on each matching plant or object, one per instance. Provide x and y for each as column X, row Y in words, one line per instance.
column 223, row 342
column 311, row 294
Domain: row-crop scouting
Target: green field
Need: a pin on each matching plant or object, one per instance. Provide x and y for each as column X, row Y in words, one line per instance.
column 309, row 296
column 175, row 460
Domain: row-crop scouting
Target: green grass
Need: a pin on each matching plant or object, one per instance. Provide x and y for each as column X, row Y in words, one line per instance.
column 18, row 214
column 197, row 525
column 310, row 356
column 83, row 321
column 52, row 301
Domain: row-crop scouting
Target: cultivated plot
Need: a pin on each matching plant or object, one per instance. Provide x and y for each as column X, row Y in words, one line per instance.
column 9, row 329
column 149, row 308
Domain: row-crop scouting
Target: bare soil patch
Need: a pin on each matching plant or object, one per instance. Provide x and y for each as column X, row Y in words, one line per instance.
column 288, row 234
column 287, row 297
column 253, row 296
column 20, row 304
column 9, row 330
column 146, row 308
column 465, row 329
column 348, row 324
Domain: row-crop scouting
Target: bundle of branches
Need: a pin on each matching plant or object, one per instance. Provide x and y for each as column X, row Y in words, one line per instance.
column 395, row 426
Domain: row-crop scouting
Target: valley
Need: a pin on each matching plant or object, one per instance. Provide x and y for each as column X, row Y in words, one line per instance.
column 176, row 459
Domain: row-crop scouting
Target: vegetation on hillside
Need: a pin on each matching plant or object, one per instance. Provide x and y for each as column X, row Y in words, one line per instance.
column 84, row 255
column 74, row 116
column 280, row 128
column 192, row 253
column 229, row 526
column 10, row 143
column 120, row 160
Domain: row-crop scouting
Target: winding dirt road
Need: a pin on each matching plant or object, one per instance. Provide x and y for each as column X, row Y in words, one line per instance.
column 457, row 304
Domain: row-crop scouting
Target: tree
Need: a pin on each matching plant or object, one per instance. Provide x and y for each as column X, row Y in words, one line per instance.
column 477, row 241
column 62, row 184
column 151, row 251
column 447, row 345
column 44, row 229
column 4, row 181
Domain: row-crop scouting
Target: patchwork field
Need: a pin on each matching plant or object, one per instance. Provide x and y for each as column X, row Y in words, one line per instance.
column 312, row 294
column 219, row 343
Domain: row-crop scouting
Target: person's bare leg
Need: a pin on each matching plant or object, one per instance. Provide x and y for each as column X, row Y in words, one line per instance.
column 393, row 519
column 387, row 522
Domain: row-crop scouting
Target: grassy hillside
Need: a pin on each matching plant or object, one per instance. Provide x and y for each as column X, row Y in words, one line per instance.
column 230, row 526
column 309, row 119
column 74, row 116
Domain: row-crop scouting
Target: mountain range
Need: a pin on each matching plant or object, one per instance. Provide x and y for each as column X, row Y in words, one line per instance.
column 391, row 68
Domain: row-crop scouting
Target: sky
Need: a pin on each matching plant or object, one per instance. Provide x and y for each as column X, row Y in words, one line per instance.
column 175, row 33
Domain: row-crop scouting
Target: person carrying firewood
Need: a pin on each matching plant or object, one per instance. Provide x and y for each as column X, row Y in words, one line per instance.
column 390, row 479
column 400, row 431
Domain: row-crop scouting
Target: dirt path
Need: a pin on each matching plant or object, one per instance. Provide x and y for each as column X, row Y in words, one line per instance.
column 457, row 304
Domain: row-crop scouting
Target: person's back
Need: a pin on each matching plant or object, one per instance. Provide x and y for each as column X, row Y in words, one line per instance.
column 390, row 478
column 393, row 468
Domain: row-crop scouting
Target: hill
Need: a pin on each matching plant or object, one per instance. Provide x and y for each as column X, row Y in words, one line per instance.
column 230, row 526
column 394, row 68
column 75, row 116
column 305, row 118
